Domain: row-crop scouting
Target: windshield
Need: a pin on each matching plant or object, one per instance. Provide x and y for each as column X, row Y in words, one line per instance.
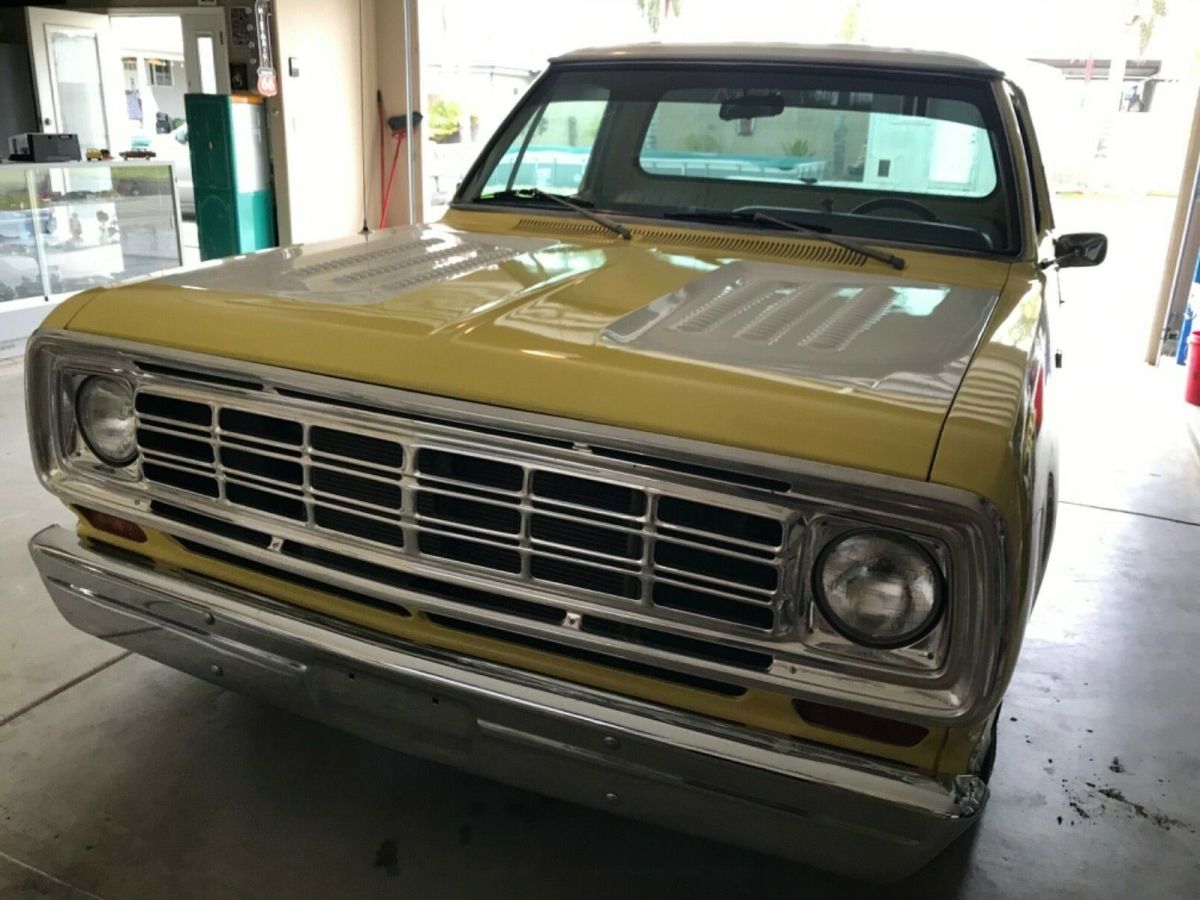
column 906, row 158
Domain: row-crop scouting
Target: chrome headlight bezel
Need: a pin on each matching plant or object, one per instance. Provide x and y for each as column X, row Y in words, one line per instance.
column 850, row 632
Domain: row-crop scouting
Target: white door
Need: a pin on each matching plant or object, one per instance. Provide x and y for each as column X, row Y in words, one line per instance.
column 205, row 54
column 77, row 77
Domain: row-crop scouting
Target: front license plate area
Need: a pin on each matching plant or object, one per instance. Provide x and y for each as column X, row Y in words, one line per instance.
column 395, row 714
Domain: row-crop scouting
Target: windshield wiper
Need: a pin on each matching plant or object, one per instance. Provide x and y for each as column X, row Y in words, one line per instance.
column 747, row 215
column 573, row 205
column 888, row 259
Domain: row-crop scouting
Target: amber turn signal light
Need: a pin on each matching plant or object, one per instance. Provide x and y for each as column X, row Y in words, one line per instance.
column 875, row 728
column 113, row 525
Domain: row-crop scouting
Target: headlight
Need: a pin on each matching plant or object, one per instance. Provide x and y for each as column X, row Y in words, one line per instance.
column 104, row 411
column 879, row 589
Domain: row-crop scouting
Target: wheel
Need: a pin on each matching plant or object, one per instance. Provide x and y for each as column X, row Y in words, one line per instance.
column 896, row 203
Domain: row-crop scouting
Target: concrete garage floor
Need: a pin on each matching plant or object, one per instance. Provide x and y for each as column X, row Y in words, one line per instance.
column 122, row 779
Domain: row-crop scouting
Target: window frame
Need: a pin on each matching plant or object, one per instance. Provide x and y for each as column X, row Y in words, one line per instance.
column 1040, row 193
column 152, row 74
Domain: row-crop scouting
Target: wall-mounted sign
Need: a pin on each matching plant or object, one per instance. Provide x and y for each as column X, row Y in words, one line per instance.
column 268, row 84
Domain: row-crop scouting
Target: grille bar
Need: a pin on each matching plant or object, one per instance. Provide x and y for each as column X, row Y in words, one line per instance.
column 516, row 515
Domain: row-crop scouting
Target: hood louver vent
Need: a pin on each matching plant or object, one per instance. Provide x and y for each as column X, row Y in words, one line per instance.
column 893, row 336
column 784, row 248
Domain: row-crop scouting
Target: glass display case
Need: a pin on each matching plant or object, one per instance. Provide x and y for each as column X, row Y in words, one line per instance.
column 65, row 227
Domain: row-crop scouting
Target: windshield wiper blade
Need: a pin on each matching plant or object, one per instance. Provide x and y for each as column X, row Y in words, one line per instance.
column 573, row 205
column 888, row 259
column 721, row 215
column 820, row 234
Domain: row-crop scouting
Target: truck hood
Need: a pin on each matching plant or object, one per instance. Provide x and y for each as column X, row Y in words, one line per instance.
column 851, row 364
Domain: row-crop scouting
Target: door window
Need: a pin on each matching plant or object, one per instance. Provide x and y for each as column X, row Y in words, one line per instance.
column 206, row 54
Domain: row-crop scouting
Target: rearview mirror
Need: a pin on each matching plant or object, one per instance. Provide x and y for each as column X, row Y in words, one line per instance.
column 1085, row 248
column 752, row 106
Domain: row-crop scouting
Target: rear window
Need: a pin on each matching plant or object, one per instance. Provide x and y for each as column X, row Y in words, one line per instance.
column 861, row 139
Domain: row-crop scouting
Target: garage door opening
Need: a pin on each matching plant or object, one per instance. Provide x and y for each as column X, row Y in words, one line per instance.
column 1112, row 91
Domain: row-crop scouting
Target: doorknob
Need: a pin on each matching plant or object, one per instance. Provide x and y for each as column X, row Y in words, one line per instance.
column 45, row 121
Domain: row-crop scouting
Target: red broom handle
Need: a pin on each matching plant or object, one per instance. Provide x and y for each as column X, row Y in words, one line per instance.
column 387, row 193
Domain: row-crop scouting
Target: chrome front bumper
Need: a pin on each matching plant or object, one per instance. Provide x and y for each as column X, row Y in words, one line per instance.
column 834, row 809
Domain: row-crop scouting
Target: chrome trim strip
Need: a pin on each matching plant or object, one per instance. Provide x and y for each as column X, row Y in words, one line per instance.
column 959, row 687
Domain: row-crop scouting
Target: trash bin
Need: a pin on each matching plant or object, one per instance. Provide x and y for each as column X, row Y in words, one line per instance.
column 1191, row 393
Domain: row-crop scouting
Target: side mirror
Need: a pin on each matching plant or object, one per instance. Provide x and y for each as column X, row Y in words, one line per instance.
column 1076, row 250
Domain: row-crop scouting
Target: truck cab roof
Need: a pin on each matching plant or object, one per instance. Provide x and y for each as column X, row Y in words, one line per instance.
column 856, row 55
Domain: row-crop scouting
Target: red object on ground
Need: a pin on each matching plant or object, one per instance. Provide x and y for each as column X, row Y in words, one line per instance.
column 1191, row 393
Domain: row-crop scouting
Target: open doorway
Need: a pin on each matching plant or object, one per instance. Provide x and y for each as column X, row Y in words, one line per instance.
column 151, row 50
column 164, row 57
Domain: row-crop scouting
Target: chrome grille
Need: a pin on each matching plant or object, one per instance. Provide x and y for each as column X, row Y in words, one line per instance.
column 418, row 492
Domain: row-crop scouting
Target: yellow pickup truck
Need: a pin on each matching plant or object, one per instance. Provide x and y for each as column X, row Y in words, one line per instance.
column 698, row 465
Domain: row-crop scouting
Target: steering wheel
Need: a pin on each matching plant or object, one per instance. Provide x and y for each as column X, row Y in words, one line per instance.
column 897, row 203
